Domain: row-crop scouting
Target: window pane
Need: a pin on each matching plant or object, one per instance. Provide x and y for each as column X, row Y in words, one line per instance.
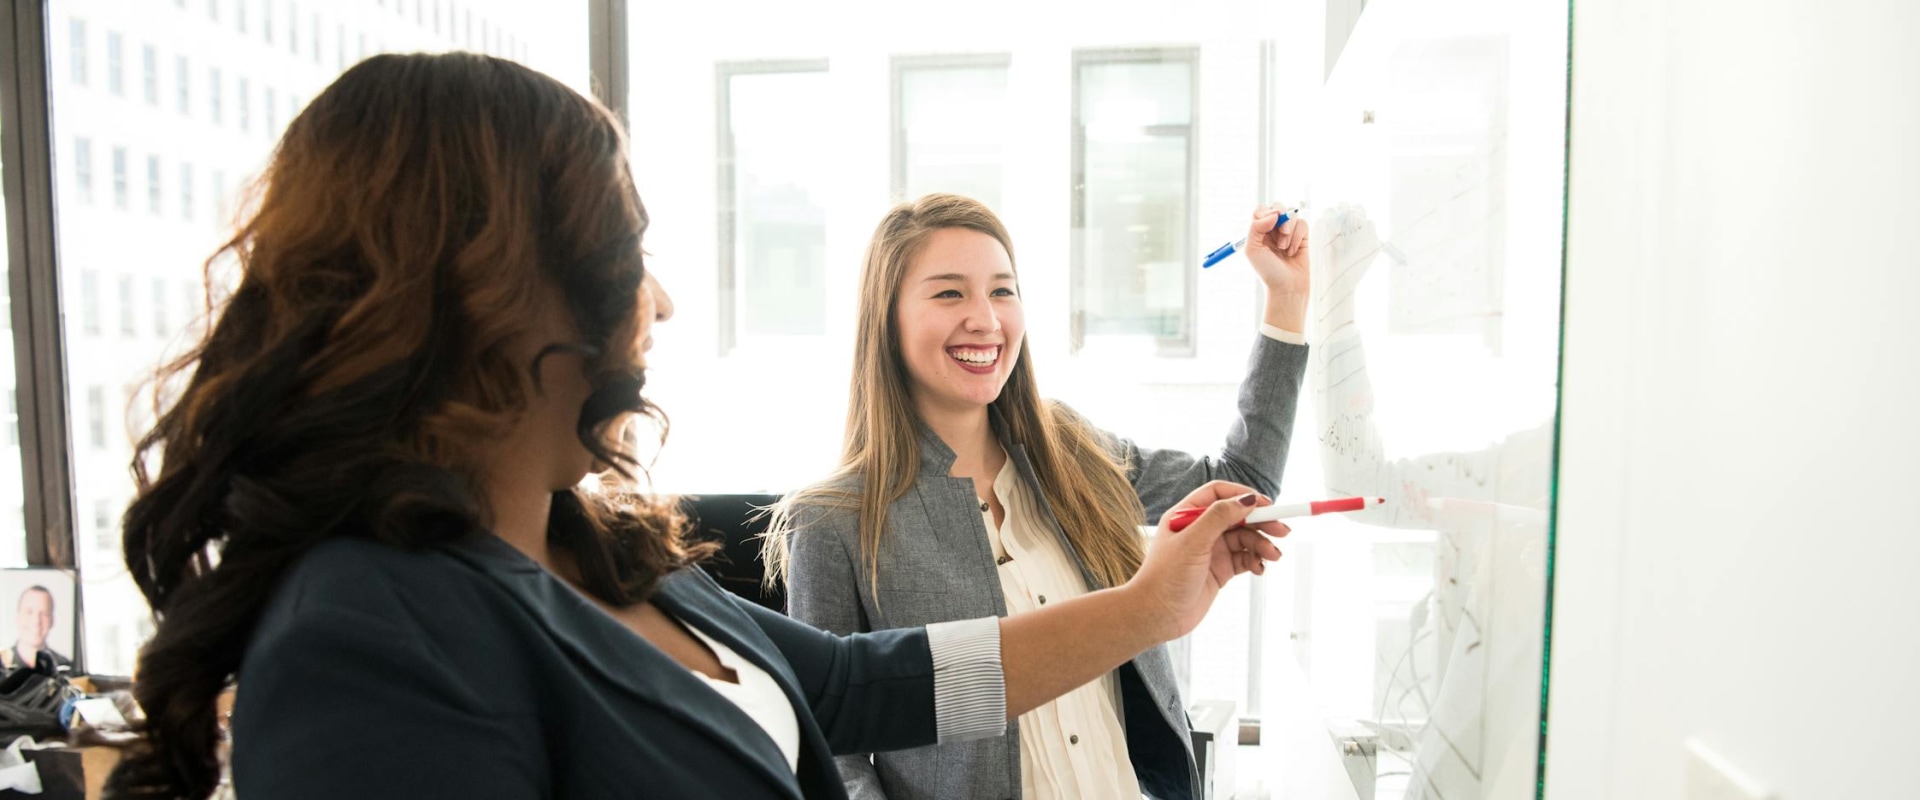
column 115, row 80
column 954, row 128
column 150, row 74
column 1136, row 258
column 181, row 81
column 133, row 301
column 77, row 52
column 779, row 216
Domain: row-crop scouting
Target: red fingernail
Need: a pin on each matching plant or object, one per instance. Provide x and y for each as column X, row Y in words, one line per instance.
column 1249, row 499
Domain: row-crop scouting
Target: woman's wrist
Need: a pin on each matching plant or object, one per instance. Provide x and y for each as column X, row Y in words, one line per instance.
column 1286, row 310
column 1157, row 623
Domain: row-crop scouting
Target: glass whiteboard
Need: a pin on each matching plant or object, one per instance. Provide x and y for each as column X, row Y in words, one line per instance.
column 1437, row 200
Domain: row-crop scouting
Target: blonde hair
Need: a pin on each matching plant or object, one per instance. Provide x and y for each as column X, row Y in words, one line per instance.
column 880, row 460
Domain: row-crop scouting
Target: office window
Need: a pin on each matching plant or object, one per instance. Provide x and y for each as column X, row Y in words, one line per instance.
column 340, row 44
column 316, row 37
column 153, row 185
column 240, row 14
column 181, row 81
column 186, row 191
column 293, row 28
column 90, row 302
column 77, row 52
column 160, row 316
column 220, row 197
column 213, row 10
column 1133, row 153
column 951, row 122
column 116, row 85
column 150, row 74
column 120, row 177
column 243, row 103
column 273, row 114
column 129, row 325
column 436, row 17
column 83, row 168
column 773, row 231
column 213, row 95
column 266, row 19
column 97, row 417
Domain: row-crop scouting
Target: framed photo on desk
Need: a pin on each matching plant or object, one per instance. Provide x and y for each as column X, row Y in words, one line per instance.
column 43, row 620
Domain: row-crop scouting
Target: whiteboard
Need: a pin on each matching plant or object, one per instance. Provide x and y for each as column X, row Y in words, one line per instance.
column 1437, row 198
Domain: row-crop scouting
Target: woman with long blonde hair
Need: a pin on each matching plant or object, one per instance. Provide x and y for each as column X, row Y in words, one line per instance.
column 962, row 493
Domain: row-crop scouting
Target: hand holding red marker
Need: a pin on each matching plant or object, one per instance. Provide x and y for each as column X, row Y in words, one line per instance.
column 1179, row 520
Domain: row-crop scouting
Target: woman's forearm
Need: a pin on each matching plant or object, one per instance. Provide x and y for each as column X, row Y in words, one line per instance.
column 1050, row 651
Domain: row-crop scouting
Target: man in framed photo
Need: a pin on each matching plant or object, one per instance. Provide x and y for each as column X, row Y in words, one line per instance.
column 32, row 621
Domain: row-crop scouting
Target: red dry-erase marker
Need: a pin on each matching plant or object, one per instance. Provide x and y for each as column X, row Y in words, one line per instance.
column 1184, row 517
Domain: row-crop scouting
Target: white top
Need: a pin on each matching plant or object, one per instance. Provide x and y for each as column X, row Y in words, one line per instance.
column 756, row 694
column 1073, row 747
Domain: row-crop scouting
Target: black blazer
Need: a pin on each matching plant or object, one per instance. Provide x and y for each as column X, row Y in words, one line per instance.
column 468, row 671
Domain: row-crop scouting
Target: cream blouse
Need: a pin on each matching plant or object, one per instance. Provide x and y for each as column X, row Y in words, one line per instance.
column 1073, row 747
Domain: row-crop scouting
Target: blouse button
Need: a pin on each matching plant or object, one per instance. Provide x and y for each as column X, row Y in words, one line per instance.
column 1002, row 561
column 1043, row 599
column 983, row 506
column 1074, row 739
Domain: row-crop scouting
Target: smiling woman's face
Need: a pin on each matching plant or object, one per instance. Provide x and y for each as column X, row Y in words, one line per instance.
column 960, row 322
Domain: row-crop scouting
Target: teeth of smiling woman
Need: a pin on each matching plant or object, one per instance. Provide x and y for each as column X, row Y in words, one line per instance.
column 979, row 357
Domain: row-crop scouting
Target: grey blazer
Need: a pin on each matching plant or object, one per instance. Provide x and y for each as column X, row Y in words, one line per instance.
column 936, row 565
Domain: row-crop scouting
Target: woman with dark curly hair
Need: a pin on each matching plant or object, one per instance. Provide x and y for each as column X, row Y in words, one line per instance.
column 369, row 514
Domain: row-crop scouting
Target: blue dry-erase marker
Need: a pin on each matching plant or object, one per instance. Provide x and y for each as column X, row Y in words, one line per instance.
column 1230, row 248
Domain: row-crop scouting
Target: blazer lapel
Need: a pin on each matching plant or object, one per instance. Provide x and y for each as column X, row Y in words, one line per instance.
column 683, row 595
column 604, row 647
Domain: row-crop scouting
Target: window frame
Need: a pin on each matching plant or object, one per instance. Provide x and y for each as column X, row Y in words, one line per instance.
column 1184, row 345
column 897, row 100
column 40, row 396
column 727, row 260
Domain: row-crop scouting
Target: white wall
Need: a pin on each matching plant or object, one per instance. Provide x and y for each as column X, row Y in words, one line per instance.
column 1740, row 332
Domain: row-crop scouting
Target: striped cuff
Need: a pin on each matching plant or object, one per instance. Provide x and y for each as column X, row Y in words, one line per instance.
column 969, row 687
column 1282, row 335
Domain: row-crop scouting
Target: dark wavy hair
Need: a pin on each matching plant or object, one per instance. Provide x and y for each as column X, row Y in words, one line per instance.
column 405, row 228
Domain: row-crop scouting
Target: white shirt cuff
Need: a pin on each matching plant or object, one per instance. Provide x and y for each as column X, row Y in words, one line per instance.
column 1282, row 335
column 969, row 685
